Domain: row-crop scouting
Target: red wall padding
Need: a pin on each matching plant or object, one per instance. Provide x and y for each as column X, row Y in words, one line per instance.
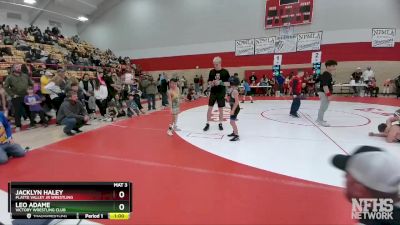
column 361, row 51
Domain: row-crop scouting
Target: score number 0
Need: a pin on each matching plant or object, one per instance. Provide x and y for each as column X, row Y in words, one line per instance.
column 121, row 195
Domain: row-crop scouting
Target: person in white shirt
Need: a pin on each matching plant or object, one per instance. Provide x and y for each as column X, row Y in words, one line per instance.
column 101, row 94
column 56, row 93
column 368, row 74
column 128, row 77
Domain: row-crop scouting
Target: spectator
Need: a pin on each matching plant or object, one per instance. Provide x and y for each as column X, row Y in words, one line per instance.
column 116, row 83
column 86, row 85
column 386, row 87
column 372, row 88
column 253, row 79
column 119, row 104
column 101, row 94
column 368, row 75
column 184, row 85
column 372, row 174
column 62, row 73
column 3, row 100
column 72, row 114
column 57, row 95
column 201, row 83
column 397, row 84
column 136, row 96
column 264, row 83
column 73, row 85
column 356, row 76
column 52, row 62
column 150, row 87
column 44, row 80
column 112, row 111
column 132, row 108
column 7, row 145
column 33, row 101
column 16, row 86
column 196, row 82
column 164, row 89
column 286, row 85
column 191, row 93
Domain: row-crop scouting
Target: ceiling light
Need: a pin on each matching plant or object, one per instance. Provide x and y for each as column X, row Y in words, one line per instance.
column 83, row 19
column 30, row 2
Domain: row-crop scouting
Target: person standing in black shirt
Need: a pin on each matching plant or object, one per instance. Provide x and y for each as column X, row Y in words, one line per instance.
column 217, row 80
column 325, row 90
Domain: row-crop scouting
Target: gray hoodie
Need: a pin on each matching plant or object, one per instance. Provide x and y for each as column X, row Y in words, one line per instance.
column 71, row 110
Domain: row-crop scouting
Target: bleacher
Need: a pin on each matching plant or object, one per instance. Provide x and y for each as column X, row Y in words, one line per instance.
column 57, row 51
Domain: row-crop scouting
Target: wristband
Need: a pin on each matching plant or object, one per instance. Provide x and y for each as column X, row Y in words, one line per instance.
column 328, row 94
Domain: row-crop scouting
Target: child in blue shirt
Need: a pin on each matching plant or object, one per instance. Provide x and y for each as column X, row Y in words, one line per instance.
column 247, row 91
column 7, row 145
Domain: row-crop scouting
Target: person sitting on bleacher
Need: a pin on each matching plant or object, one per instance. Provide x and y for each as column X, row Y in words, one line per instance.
column 7, row 145
column 21, row 45
column 52, row 62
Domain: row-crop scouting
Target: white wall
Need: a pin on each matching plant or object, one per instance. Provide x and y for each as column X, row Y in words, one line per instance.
column 155, row 28
column 42, row 22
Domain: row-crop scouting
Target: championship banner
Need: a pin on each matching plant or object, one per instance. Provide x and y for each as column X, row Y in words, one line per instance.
column 285, row 44
column 309, row 41
column 244, row 47
column 265, row 45
column 383, row 37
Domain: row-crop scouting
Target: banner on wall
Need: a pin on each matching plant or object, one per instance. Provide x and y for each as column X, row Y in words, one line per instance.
column 265, row 45
column 383, row 37
column 309, row 41
column 278, row 60
column 316, row 57
column 287, row 43
column 244, row 47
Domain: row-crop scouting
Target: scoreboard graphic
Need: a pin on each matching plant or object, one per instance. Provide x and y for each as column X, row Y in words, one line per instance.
column 280, row 13
column 70, row 200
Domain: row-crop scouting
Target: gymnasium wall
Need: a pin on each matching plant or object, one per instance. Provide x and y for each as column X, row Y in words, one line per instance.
column 179, row 35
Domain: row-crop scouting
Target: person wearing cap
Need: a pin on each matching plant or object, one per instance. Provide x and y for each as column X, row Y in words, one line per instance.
column 389, row 130
column 72, row 114
column 235, row 108
column 372, row 173
column 16, row 86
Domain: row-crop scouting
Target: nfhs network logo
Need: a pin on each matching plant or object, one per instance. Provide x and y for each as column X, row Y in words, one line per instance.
column 372, row 209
